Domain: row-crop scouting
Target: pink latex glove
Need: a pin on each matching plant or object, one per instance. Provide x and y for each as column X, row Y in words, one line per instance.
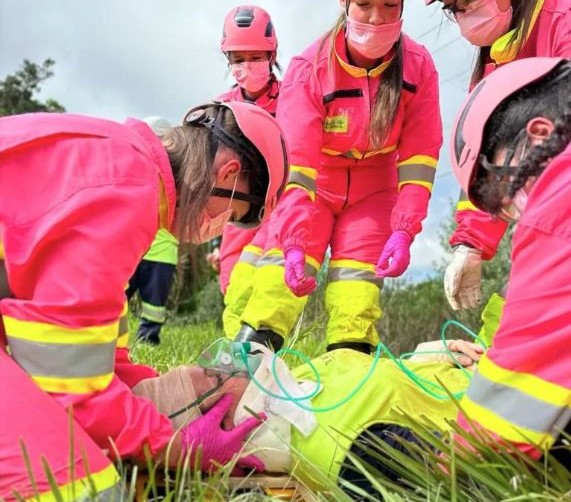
column 295, row 278
column 218, row 446
column 395, row 257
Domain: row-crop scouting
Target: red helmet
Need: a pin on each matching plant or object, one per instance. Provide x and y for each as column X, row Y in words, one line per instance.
column 263, row 131
column 468, row 129
column 248, row 28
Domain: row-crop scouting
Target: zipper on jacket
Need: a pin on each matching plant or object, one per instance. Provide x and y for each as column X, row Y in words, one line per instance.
column 348, row 187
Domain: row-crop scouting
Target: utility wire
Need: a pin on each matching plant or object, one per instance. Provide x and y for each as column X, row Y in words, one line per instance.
column 438, row 49
column 455, row 76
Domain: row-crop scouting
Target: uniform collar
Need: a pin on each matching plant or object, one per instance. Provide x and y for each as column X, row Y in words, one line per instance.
column 502, row 51
column 355, row 71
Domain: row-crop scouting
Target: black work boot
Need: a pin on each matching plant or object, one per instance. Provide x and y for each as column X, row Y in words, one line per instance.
column 364, row 347
column 266, row 337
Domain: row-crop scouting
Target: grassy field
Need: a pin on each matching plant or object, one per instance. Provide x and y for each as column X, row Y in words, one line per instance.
column 489, row 476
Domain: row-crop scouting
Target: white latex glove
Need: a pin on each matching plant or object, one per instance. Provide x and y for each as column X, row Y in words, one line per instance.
column 462, row 278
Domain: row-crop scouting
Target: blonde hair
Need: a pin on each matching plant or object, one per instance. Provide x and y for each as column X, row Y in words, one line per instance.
column 191, row 151
column 388, row 94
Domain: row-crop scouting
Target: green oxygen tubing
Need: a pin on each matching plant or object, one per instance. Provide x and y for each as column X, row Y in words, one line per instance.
column 432, row 389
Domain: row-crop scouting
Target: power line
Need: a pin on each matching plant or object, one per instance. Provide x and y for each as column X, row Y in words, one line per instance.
column 427, row 32
column 450, row 42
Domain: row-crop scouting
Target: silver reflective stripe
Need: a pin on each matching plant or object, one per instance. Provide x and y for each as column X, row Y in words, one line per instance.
column 271, row 259
column 302, row 180
column 153, row 312
column 353, row 274
column 123, row 325
column 278, row 260
column 517, row 407
column 113, row 494
column 249, row 257
column 62, row 359
column 416, row 172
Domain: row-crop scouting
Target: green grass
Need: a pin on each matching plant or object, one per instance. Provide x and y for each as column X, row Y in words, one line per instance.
column 488, row 476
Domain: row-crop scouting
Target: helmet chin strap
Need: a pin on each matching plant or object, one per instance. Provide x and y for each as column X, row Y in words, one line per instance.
column 230, row 194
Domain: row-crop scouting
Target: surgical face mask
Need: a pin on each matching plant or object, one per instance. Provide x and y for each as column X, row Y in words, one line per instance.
column 514, row 211
column 372, row 41
column 252, row 76
column 212, row 226
column 482, row 23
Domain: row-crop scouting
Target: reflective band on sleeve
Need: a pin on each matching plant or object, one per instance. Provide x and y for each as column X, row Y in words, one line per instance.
column 275, row 257
column 352, row 274
column 42, row 332
column 416, row 172
column 153, row 312
column 298, row 178
column 123, row 326
column 464, row 203
column 249, row 257
column 61, row 360
column 103, row 486
column 517, row 407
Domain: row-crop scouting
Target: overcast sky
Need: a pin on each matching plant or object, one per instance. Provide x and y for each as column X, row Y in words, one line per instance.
column 121, row 58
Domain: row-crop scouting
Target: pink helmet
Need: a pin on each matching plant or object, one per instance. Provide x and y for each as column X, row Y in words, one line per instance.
column 263, row 131
column 468, row 129
column 248, row 28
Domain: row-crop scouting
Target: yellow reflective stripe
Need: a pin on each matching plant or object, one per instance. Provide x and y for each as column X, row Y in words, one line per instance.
column 1, row 251
column 250, row 248
column 386, row 149
column 102, row 481
column 504, row 428
column 424, row 184
column 73, row 385
column 153, row 313
column 123, row 341
column 50, row 333
column 354, row 153
column 309, row 192
column 532, row 385
column 310, row 172
column 352, row 264
column 427, row 160
column 465, row 205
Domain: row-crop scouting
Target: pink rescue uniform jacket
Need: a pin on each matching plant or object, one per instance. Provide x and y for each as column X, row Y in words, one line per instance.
column 549, row 36
column 326, row 123
column 81, row 201
column 521, row 390
column 234, row 238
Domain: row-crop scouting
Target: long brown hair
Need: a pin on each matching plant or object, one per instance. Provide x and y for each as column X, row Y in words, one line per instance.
column 191, row 157
column 521, row 21
column 389, row 92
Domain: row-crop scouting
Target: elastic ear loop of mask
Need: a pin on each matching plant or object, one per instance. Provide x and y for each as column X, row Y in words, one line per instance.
column 434, row 390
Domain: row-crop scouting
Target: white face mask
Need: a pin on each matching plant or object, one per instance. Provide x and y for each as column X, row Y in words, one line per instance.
column 482, row 23
column 251, row 75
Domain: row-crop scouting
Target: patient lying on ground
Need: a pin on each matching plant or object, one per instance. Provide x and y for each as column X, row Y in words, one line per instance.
column 311, row 440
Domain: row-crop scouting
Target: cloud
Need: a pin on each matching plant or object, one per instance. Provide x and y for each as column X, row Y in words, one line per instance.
column 138, row 58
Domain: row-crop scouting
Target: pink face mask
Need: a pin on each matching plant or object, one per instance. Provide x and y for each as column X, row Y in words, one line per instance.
column 482, row 23
column 251, row 75
column 513, row 212
column 212, row 226
column 372, row 41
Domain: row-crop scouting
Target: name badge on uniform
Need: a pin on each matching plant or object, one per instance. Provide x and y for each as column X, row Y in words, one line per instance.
column 336, row 123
